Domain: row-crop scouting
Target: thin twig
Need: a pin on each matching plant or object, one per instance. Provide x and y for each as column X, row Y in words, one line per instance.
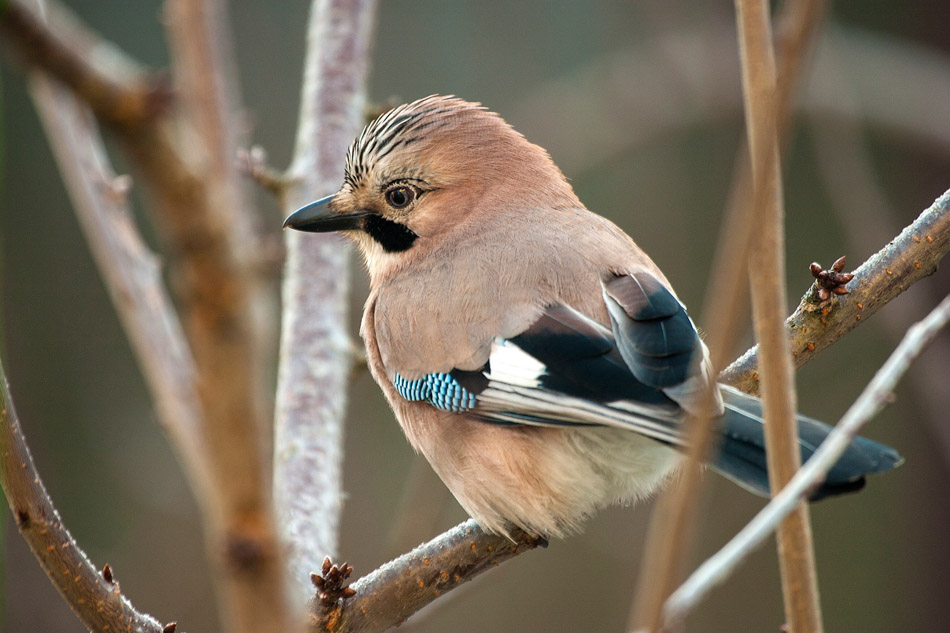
column 315, row 349
column 96, row 600
column 398, row 589
column 253, row 164
column 905, row 260
column 872, row 401
column 767, row 269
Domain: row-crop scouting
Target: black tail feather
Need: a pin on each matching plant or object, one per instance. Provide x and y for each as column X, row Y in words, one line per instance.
column 741, row 455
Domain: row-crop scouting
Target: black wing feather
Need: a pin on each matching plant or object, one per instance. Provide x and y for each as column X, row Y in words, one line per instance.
column 654, row 334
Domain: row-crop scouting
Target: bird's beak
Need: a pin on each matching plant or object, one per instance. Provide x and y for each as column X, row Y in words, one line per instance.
column 317, row 217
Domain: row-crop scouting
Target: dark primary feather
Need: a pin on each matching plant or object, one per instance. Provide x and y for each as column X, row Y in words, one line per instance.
column 741, row 455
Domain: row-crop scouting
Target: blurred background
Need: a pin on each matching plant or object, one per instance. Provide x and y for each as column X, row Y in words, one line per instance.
column 640, row 105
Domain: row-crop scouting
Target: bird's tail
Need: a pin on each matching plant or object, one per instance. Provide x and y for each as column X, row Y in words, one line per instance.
column 741, row 455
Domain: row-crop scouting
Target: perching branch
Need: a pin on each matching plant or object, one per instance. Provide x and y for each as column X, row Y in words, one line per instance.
column 398, row 589
column 871, row 402
column 94, row 597
column 315, row 349
column 908, row 258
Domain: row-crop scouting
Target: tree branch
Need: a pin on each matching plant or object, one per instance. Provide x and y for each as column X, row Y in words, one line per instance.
column 132, row 274
column 861, row 203
column 871, row 402
column 205, row 222
column 95, row 598
column 116, row 88
column 398, row 589
column 908, row 258
column 228, row 331
column 315, row 349
column 671, row 525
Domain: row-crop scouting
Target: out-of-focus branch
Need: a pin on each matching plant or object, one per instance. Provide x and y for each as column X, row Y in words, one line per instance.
column 767, row 272
column 692, row 79
column 871, row 402
column 398, row 589
column 131, row 273
column 228, row 333
column 908, row 258
column 795, row 37
column 116, row 88
column 315, row 349
column 204, row 222
column 95, row 598
column 207, row 84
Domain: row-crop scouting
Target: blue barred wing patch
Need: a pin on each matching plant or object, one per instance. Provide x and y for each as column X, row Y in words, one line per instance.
column 441, row 390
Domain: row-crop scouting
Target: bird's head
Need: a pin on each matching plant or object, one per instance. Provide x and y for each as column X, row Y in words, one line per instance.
column 430, row 168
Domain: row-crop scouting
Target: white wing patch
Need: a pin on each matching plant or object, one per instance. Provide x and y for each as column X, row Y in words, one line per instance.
column 511, row 365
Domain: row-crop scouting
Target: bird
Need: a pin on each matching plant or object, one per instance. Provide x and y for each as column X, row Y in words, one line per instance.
column 530, row 350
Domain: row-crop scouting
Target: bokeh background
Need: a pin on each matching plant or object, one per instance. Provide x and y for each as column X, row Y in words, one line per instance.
column 640, row 105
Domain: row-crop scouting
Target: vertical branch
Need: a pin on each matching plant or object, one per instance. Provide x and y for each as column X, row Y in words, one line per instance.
column 670, row 530
column 199, row 34
column 766, row 263
column 315, row 349
column 223, row 297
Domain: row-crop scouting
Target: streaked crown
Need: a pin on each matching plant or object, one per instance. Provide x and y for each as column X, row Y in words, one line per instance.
column 447, row 140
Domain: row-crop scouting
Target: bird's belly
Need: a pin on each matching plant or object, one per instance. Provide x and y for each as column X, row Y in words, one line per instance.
column 546, row 481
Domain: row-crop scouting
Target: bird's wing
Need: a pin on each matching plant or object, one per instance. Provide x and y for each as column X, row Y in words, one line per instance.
column 658, row 340
column 568, row 369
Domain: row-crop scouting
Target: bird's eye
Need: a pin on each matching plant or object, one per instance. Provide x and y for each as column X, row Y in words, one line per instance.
column 400, row 197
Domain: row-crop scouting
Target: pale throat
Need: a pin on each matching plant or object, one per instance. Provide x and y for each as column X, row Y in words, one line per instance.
column 380, row 264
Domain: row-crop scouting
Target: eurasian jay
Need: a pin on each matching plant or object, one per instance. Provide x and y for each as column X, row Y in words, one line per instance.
column 531, row 351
